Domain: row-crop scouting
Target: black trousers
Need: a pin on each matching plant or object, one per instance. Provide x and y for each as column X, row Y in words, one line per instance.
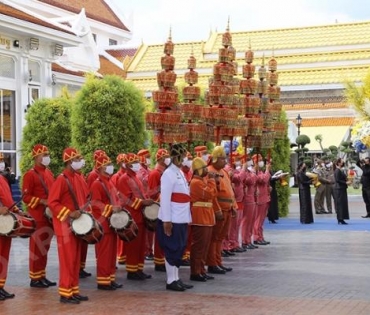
column 366, row 197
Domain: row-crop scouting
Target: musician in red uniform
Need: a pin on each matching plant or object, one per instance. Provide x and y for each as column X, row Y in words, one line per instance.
column 91, row 177
column 104, row 202
column 154, row 191
column 121, row 255
column 36, row 185
column 6, row 203
column 67, row 197
column 133, row 200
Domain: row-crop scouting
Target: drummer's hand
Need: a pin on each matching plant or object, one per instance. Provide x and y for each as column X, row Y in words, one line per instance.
column 75, row 214
column 116, row 209
column 44, row 202
column 219, row 216
column 167, row 226
column 3, row 210
column 233, row 213
column 147, row 202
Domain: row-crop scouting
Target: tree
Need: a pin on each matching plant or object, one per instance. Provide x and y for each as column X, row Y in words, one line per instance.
column 302, row 140
column 281, row 161
column 108, row 115
column 318, row 138
column 48, row 123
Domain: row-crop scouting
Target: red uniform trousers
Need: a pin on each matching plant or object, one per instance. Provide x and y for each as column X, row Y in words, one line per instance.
column 235, row 227
column 249, row 216
column 105, row 252
column 83, row 257
column 186, row 255
column 158, row 253
column 121, row 251
column 135, row 250
column 261, row 212
column 219, row 233
column 201, row 239
column 69, row 252
column 5, row 243
column 149, row 242
column 39, row 247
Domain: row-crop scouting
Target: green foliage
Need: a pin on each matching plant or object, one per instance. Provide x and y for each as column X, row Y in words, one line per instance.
column 108, row 115
column 302, row 140
column 48, row 123
column 281, row 161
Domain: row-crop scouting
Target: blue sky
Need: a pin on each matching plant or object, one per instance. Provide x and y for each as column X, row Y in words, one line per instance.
column 192, row 20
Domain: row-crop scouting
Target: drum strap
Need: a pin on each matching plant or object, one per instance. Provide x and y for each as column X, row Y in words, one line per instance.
column 71, row 192
column 106, row 191
column 42, row 182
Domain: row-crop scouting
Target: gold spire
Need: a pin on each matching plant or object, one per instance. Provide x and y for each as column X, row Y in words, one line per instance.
column 263, row 60
column 228, row 24
column 170, row 34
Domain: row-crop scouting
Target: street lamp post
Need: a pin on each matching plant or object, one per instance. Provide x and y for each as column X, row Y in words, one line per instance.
column 299, row 124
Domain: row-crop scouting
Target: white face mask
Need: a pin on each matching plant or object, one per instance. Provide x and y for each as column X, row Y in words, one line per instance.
column 238, row 163
column 109, row 169
column 251, row 169
column 205, row 157
column 184, row 160
column 123, row 165
column 77, row 165
column 167, row 161
column 249, row 163
column 188, row 163
column 2, row 166
column 45, row 160
column 135, row 167
column 238, row 167
column 148, row 161
column 261, row 164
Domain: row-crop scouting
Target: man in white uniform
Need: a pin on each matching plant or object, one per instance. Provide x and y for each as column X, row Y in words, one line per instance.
column 174, row 217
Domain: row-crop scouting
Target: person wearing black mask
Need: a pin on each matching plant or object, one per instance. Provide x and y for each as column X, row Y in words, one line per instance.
column 305, row 202
column 365, row 181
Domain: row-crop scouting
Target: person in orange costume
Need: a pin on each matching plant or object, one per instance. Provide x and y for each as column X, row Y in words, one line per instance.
column 104, row 202
column 249, row 209
column 36, row 185
column 121, row 255
column 203, row 191
column 226, row 202
column 154, row 191
column 6, row 205
column 91, row 177
column 67, row 197
column 262, row 200
column 133, row 200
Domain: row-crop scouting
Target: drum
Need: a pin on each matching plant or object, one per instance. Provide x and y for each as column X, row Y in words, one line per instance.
column 48, row 214
column 87, row 228
column 13, row 225
column 124, row 225
column 151, row 216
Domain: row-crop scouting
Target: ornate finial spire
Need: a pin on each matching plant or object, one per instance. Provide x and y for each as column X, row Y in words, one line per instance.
column 263, row 60
column 170, row 34
column 273, row 51
column 228, row 24
column 192, row 49
column 250, row 44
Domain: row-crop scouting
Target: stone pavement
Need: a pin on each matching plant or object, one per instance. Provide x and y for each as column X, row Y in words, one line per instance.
column 305, row 270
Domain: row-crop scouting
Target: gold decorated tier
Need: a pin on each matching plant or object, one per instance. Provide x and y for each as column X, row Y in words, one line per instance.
column 268, row 121
column 169, row 47
column 191, row 77
column 191, row 93
column 267, row 140
column 249, row 56
column 280, row 130
column 272, row 78
column 192, row 62
column 195, row 132
column 162, row 121
column 166, row 78
column 227, row 39
column 168, row 62
column 255, row 126
column 249, row 71
column 262, row 87
column 273, row 92
column 210, row 133
column 262, row 73
column 171, row 137
column 220, row 116
column 191, row 111
column 235, row 67
column 272, row 64
column 248, row 86
column 235, row 85
column 165, row 98
column 253, row 141
column 232, row 53
column 275, row 109
column 223, row 55
column 251, row 104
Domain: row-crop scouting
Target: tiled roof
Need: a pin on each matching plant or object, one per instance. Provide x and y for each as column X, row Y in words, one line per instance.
column 317, row 106
column 331, row 121
column 300, row 37
column 95, row 9
column 106, row 68
column 17, row 14
column 120, row 54
column 57, row 68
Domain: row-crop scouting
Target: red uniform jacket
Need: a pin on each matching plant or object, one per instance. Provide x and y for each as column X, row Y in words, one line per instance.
column 154, row 183
column 238, row 184
column 101, row 203
column 250, row 186
column 143, row 176
column 33, row 190
column 93, row 175
column 114, row 179
column 61, row 203
column 132, row 193
column 6, row 198
column 263, row 187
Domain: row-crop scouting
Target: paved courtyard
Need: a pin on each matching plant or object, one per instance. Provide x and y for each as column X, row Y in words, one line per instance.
column 322, row 268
